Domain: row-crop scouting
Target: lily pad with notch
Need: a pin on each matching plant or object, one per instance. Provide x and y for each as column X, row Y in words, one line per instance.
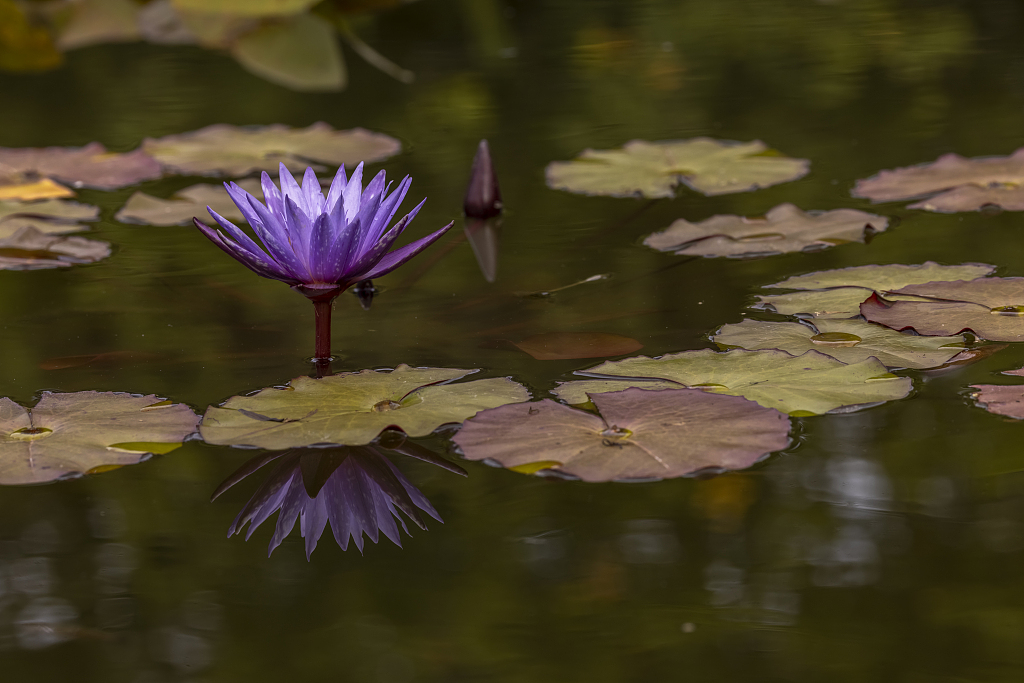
column 850, row 341
column 810, row 384
column 839, row 293
column 90, row 166
column 353, row 408
column 185, row 204
column 87, row 432
column 52, row 216
column 967, row 184
column 784, row 229
column 638, row 435
column 991, row 307
column 656, row 169
column 226, row 150
column 29, row 249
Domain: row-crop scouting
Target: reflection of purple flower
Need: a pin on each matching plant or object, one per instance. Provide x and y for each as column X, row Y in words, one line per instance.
column 316, row 243
column 355, row 488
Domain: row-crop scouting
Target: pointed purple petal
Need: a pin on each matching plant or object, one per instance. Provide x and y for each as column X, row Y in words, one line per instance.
column 290, row 189
column 320, row 249
column 337, row 187
column 239, row 236
column 352, row 192
column 400, row 256
column 247, row 259
column 365, row 259
column 313, row 194
column 385, row 213
column 271, row 195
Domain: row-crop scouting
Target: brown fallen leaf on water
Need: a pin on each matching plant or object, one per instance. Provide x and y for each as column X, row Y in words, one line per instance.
column 566, row 345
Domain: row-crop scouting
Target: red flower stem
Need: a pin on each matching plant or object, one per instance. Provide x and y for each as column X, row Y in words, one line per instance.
column 322, row 308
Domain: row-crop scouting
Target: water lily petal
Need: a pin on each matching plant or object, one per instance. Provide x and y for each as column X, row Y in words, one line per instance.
column 388, row 209
column 313, row 194
column 271, row 195
column 320, row 242
column 248, row 259
column 352, row 193
column 400, row 256
column 337, row 187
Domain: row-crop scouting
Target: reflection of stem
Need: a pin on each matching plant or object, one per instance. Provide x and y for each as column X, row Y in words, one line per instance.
column 373, row 57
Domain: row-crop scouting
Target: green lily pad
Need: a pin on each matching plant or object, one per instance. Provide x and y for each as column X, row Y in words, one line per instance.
column 29, row 249
column 253, row 8
column 839, row 293
column 948, row 172
column 810, row 384
column 850, row 341
column 90, row 166
column 638, row 435
column 52, row 216
column 974, row 198
column 353, row 408
column 784, row 229
column 301, row 53
column 655, row 169
column 67, row 435
column 191, row 201
column 226, row 150
column 991, row 307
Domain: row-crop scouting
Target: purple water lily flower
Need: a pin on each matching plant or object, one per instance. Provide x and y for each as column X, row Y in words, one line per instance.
column 354, row 488
column 319, row 245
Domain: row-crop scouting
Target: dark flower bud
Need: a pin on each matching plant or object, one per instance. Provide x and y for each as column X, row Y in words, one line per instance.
column 483, row 196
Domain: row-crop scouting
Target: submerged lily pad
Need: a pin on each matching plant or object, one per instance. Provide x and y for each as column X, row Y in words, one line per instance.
column 991, row 307
column 784, row 229
column 948, row 172
column 850, row 341
column 638, row 435
column 90, row 166
column 191, row 201
column 353, row 408
column 52, row 216
column 86, row 432
column 29, row 249
column 227, row 150
column 655, row 169
column 810, row 384
column 565, row 345
column 301, row 53
column 839, row 293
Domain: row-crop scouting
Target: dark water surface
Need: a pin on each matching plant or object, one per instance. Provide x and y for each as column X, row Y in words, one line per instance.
column 884, row 545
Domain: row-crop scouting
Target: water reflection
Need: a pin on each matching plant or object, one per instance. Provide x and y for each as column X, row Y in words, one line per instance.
column 356, row 489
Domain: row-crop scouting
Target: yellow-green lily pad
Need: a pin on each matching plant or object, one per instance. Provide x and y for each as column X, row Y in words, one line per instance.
column 52, row 216
column 655, row 169
column 809, row 384
column 850, row 341
column 351, row 409
column 300, row 53
column 180, row 209
column 67, row 435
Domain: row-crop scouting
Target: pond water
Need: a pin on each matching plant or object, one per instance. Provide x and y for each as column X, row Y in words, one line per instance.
column 883, row 544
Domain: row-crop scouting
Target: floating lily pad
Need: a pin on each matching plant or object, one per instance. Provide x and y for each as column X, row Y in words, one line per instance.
column 191, row 201
column 948, row 172
column 564, row 345
column 810, row 384
column 655, row 169
column 67, row 435
column 300, row 53
column 850, row 341
column 1001, row 399
column 90, row 166
column 353, row 408
column 839, row 293
column 974, row 198
column 991, row 307
column 255, row 8
column 638, row 435
column 221, row 149
column 784, row 229
column 96, row 22
column 33, row 190
column 29, row 249
column 52, row 216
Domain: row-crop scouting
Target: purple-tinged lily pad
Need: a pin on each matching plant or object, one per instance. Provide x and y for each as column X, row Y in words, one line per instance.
column 948, row 172
column 565, row 345
column 656, row 169
column 233, row 151
column 839, row 293
column 68, row 435
column 90, row 166
column 1001, row 399
column 638, row 435
column 784, row 229
column 29, row 249
column 992, row 308
column 974, row 198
